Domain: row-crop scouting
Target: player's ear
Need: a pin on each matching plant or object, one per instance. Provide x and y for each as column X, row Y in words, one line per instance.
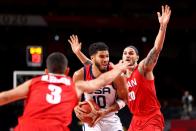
column 92, row 57
column 137, row 57
column 67, row 71
column 46, row 71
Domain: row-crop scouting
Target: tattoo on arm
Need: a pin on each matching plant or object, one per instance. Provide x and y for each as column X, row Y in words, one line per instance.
column 87, row 62
column 152, row 57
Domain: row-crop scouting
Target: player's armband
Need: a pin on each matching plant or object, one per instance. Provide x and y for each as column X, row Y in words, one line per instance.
column 120, row 103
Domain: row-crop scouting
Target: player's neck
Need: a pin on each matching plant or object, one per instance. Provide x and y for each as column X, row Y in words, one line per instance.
column 95, row 70
column 130, row 70
column 54, row 74
column 128, row 73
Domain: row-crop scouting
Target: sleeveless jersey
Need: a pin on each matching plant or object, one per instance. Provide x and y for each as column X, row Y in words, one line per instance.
column 50, row 102
column 105, row 96
column 143, row 102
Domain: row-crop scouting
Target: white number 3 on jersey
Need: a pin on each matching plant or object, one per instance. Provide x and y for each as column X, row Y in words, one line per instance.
column 55, row 95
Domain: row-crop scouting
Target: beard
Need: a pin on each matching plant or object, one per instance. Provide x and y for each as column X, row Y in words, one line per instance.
column 102, row 70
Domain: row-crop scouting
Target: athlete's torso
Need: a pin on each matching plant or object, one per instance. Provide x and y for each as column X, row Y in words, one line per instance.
column 51, row 98
column 143, row 102
column 105, row 96
column 142, row 94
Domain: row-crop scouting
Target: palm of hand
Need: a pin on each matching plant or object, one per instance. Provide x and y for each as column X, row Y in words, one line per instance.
column 75, row 44
column 164, row 19
column 166, row 12
column 76, row 47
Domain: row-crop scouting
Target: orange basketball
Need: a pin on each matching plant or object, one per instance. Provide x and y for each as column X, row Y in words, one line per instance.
column 88, row 106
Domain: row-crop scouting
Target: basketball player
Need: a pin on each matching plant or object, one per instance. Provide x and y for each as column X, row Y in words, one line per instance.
column 50, row 98
column 111, row 97
column 143, row 102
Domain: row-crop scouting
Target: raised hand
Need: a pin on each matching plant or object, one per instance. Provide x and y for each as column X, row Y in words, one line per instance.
column 165, row 16
column 75, row 44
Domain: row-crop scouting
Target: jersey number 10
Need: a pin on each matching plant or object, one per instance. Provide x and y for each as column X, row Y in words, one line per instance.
column 100, row 100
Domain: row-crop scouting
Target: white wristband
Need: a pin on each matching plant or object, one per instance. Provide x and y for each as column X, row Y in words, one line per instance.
column 120, row 103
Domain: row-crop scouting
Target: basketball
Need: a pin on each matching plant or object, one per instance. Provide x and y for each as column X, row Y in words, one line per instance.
column 88, row 107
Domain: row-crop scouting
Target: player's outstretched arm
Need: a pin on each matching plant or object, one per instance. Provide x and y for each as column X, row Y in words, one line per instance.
column 14, row 94
column 102, row 80
column 76, row 48
column 152, row 57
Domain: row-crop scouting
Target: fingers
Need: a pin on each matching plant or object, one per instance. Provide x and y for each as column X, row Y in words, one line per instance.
column 158, row 14
column 73, row 39
column 95, row 120
column 111, row 65
column 162, row 8
column 76, row 38
column 70, row 42
column 80, row 44
column 79, row 116
column 123, row 65
column 166, row 9
column 79, row 109
column 164, row 16
column 120, row 61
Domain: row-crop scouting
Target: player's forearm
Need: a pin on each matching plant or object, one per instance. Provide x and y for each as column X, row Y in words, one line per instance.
column 109, row 76
column 103, row 80
column 119, row 104
column 158, row 45
column 5, row 98
column 113, row 108
column 83, row 59
column 153, row 55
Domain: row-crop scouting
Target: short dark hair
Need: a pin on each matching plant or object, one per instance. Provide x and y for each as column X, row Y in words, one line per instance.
column 56, row 63
column 98, row 46
column 135, row 49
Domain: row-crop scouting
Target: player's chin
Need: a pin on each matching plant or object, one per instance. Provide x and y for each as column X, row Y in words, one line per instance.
column 103, row 69
column 131, row 65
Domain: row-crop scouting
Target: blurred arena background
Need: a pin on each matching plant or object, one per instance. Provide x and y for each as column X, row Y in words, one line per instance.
column 49, row 23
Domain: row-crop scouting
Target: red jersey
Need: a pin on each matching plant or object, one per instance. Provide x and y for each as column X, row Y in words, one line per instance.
column 49, row 104
column 143, row 102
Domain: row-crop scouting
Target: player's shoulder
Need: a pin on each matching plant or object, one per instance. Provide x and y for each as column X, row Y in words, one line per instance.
column 78, row 75
column 36, row 79
column 79, row 71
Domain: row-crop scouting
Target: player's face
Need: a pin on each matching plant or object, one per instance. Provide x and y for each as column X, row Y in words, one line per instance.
column 130, row 56
column 101, row 60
